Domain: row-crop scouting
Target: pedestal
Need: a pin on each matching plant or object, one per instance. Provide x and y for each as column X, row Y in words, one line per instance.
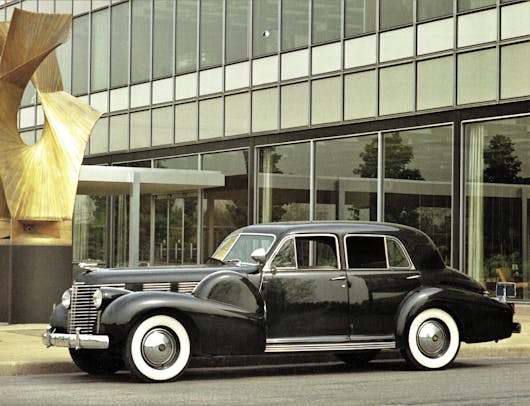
column 32, row 280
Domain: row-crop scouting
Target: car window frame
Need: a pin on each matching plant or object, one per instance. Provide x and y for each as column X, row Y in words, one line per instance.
column 268, row 266
column 385, row 238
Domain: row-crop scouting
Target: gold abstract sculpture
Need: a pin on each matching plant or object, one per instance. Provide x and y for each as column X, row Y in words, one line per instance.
column 38, row 183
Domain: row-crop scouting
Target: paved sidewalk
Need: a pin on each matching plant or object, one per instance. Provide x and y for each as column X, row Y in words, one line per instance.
column 23, row 353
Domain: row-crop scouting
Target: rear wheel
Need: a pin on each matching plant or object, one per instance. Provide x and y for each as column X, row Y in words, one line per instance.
column 432, row 340
column 96, row 362
column 358, row 359
column 158, row 349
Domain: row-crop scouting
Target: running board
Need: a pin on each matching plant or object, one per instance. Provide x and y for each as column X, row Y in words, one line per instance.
column 344, row 346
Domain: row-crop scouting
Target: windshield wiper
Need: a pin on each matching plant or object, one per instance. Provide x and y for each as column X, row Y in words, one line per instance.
column 213, row 259
column 233, row 261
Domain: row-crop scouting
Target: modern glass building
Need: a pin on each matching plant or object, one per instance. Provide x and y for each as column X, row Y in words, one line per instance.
column 409, row 111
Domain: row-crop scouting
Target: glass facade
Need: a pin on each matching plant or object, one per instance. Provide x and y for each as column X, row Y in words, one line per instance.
column 393, row 110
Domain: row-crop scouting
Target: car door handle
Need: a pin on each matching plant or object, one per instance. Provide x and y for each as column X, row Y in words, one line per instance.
column 413, row 277
column 338, row 278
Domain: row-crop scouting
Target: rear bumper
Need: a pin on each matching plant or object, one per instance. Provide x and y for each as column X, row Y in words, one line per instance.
column 77, row 340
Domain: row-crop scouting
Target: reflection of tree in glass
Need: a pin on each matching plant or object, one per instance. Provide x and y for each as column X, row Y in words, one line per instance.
column 397, row 158
column 500, row 163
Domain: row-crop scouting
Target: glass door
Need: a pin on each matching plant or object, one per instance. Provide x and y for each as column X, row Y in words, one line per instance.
column 175, row 229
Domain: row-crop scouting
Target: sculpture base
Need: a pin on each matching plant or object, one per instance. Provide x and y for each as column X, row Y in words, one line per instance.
column 32, row 280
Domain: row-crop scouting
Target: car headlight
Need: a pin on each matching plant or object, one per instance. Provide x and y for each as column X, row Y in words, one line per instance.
column 65, row 299
column 97, row 298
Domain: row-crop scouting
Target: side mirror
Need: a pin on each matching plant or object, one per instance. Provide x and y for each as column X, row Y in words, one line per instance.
column 259, row 255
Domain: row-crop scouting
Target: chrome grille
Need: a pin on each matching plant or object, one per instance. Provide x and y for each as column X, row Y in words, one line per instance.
column 187, row 287
column 157, row 286
column 83, row 314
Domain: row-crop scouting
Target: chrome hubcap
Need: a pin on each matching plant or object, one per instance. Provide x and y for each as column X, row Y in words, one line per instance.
column 159, row 348
column 433, row 339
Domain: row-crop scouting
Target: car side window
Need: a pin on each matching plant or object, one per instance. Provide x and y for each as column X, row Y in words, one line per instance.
column 285, row 258
column 307, row 252
column 396, row 256
column 366, row 252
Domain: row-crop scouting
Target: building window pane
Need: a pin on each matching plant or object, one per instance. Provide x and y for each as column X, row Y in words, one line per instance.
column 140, row 130
column 184, row 162
column 64, row 53
column 163, row 38
column 362, row 83
column 396, row 89
column 428, row 9
column 326, row 20
column 477, row 76
column 119, row 133
column 265, row 27
column 283, row 183
column 99, row 71
column 90, row 230
column 418, row 181
column 265, row 110
column 225, row 208
column 163, row 126
column 295, row 103
column 237, row 114
column 140, row 40
column 237, row 30
column 326, row 100
column 210, row 118
column 394, row 13
column 515, row 80
column 186, row 35
column 211, row 33
column 99, row 140
column 359, row 17
column 435, row 83
column 80, row 55
column 343, row 191
column 498, row 203
column 464, row 5
column 295, row 20
column 185, row 122
column 119, row 43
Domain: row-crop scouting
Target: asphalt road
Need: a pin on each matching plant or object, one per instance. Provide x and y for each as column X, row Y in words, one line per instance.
column 490, row 381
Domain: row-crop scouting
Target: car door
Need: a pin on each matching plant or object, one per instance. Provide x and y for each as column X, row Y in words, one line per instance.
column 305, row 291
column 381, row 274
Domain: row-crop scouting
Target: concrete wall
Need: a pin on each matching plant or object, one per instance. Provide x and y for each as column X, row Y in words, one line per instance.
column 39, row 275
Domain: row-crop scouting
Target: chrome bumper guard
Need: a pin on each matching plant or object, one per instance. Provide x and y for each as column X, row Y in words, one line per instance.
column 77, row 340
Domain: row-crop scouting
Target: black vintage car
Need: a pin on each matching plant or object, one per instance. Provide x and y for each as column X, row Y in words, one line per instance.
column 343, row 287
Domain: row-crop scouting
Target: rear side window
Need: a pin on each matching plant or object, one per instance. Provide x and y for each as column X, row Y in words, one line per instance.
column 366, row 252
column 375, row 252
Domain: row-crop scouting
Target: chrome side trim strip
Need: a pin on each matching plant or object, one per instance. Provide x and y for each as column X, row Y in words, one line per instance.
column 348, row 346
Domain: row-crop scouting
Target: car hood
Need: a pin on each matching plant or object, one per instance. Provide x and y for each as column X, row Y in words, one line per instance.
column 169, row 274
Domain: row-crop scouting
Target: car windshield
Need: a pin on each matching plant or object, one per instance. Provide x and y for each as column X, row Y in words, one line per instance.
column 239, row 246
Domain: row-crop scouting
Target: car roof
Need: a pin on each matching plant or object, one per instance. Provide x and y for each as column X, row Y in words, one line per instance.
column 422, row 250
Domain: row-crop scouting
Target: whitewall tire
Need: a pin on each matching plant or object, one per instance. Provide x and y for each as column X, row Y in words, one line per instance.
column 158, row 349
column 432, row 340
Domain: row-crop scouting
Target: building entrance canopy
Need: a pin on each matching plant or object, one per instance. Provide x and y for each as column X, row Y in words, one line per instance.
column 119, row 180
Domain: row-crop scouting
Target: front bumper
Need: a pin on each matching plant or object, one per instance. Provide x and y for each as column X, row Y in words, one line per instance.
column 78, row 341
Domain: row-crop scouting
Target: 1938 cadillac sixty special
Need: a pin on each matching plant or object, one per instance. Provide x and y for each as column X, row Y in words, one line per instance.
column 344, row 287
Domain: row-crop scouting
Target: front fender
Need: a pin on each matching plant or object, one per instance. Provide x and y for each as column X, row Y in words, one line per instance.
column 219, row 328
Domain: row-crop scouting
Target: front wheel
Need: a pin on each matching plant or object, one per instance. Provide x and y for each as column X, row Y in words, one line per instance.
column 432, row 340
column 158, row 349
